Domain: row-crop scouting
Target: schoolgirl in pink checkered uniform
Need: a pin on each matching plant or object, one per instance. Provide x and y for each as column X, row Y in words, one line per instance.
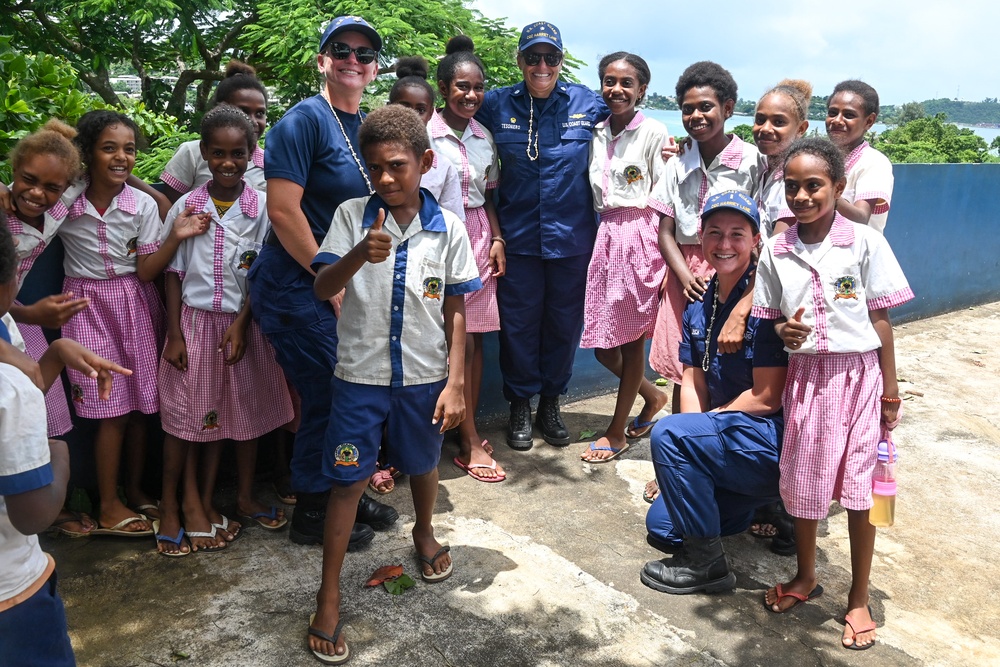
column 626, row 270
column 124, row 319
column 829, row 284
column 714, row 162
column 457, row 137
column 218, row 377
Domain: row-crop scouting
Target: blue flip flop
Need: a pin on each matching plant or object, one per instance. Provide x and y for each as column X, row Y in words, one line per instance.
column 641, row 429
column 173, row 540
column 272, row 514
column 615, row 453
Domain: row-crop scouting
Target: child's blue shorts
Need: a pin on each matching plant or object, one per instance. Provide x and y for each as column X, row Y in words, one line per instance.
column 354, row 435
column 34, row 632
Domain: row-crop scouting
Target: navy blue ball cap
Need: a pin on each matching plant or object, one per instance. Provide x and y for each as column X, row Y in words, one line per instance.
column 540, row 32
column 352, row 24
column 736, row 200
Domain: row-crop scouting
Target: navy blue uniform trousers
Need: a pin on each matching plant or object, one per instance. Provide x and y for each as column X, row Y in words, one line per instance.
column 541, row 319
column 714, row 469
column 303, row 331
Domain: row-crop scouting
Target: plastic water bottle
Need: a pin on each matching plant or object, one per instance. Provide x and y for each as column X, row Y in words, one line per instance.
column 883, row 511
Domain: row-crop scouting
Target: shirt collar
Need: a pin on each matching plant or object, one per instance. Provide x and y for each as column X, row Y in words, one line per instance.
column 632, row 124
column 249, row 199
column 438, row 128
column 124, row 200
column 431, row 219
column 732, row 154
column 738, row 290
column 258, row 156
column 854, row 156
column 841, row 234
column 521, row 89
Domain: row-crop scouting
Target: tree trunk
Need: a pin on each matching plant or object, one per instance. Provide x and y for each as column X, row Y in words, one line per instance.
column 100, row 84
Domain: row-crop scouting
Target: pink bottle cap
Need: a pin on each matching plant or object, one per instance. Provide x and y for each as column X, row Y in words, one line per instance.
column 880, row 488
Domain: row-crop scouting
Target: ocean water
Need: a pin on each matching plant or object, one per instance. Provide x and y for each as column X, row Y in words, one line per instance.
column 672, row 119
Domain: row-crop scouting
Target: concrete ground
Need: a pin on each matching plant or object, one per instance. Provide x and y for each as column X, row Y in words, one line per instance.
column 547, row 563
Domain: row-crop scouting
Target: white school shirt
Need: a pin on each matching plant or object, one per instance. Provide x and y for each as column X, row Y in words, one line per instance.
column 690, row 182
column 442, row 181
column 31, row 242
column 869, row 176
column 15, row 335
column 101, row 247
column 187, row 169
column 391, row 325
column 628, row 170
column 771, row 202
column 850, row 273
column 24, row 466
column 213, row 266
column 474, row 157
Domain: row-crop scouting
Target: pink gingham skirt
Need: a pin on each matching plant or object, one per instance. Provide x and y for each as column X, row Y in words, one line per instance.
column 832, row 405
column 212, row 401
column 57, row 415
column 664, row 353
column 124, row 323
column 481, row 314
column 623, row 280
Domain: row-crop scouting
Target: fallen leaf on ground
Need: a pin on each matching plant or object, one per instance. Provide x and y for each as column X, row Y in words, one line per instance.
column 398, row 585
column 383, row 574
column 589, row 433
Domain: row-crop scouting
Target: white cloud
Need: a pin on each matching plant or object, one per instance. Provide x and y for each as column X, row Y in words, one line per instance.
column 907, row 50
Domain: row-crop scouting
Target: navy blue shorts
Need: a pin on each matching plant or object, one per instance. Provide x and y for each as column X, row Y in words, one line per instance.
column 354, row 436
column 34, row 632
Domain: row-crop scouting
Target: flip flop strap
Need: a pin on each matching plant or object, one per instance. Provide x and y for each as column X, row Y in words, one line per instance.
column 316, row 632
column 173, row 540
column 790, row 594
column 195, row 533
column 430, row 561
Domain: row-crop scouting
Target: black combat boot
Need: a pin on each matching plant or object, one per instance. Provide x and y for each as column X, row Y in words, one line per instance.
column 700, row 566
column 550, row 423
column 375, row 514
column 519, row 426
column 308, row 519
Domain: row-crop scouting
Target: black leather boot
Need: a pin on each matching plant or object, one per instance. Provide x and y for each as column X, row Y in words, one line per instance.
column 377, row 515
column 309, row 517
column 700, row 566
column 519, row 426
column 550, row 423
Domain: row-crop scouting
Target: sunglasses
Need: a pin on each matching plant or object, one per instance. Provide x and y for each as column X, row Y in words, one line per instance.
column 551, row 59
column 341, row 51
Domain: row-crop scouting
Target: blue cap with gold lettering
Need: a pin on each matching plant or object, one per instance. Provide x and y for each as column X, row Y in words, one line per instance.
column 540, row 32
column 736, row 200
column 350, row 24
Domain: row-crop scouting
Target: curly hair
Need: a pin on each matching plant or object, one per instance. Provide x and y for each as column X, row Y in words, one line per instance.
column 637, row 63
column 798, row 91
column 226, row 115
column 8, row 256
column 862, row 90
column 92, row 123
column 822, row 148
column 54, row 138
column 394, row 124
column 460, row 51
column 239, row 76
column 707, row 73
column 412, row 73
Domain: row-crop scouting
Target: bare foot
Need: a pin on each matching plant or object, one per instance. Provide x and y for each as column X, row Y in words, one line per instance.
column 859, row 628
column 652, row 491
column 170, row 525
column 427, row 546
column 232, row 530
column 594, row 453
column 480, row 457
column 74, row 524
column 140, row 503
column 115, row 512
column 795, row 591
column 256, row 507
column 196, row 520
column 647, row 413
column 325, row 620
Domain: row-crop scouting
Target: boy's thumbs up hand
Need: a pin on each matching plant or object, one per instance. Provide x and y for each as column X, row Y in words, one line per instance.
column 377, row 244
column 794, row 332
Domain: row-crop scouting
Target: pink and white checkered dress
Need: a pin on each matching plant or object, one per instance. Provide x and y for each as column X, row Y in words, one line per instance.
column 57, row 415
column 212, row 401
column 623, row 280
column 664, row 352
column 124, row 323
column 833, row 410
column 481, row 314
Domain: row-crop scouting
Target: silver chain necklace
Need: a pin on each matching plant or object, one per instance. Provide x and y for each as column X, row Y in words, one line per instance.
column 531, row 122
column 706, row 360
column 350, row 146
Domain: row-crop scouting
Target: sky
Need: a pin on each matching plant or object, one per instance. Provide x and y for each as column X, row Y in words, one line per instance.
column 908, row 51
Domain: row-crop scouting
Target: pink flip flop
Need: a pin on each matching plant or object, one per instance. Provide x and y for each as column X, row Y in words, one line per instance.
column 470, row 469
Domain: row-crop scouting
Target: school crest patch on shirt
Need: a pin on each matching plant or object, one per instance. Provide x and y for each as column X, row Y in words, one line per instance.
column 247, row 259
column 210, row 421
column 132, row 245
column 632, row 174
column 346, row 454
column 846, row 288
column 76, row 391
column 432, row 288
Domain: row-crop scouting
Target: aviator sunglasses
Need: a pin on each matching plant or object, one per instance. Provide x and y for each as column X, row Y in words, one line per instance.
column 551, row 59
column 341, row 51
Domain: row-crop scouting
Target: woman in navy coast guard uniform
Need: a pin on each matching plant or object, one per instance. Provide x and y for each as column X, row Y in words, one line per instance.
column 542, row 128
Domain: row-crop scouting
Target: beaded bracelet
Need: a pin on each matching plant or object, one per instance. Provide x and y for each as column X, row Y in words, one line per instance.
column 886, row 399
column 500, row 239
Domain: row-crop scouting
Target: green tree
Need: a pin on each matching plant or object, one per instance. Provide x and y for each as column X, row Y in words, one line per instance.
column 931, row 140
column 910, row 111
column 744, row 132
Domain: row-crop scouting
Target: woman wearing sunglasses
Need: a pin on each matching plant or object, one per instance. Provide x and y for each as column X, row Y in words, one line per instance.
column 313, row 163
column 542, row 128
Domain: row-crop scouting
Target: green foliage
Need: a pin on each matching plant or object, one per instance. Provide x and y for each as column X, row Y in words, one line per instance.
column 932, row 140
column 149, row 163
column 399, row 584
column 744, row 132
column 657, row 101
